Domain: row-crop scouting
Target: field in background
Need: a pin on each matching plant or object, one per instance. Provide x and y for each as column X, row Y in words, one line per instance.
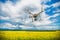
column 29, row 35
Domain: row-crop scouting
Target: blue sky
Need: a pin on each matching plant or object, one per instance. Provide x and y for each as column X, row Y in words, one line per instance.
column 13, row 16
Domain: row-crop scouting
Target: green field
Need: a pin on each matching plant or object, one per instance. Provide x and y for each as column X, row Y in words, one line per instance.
column 29, row 35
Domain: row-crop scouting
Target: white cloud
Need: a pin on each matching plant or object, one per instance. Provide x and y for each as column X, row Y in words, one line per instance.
column 15, row 11
column 55, row 15
column 4, row 18
column 7, row 25
column 44, row 27
column 10, row 9
column 41, row 27
column 28, row 2
column 26, row 27
column 56, row 4
column 45, row 1
column 46, row 6
column 57, row 11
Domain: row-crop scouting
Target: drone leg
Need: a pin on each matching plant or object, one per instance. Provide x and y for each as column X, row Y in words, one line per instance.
column 32, row 19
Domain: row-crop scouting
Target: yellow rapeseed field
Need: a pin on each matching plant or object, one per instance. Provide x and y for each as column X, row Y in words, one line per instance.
column 29, row 35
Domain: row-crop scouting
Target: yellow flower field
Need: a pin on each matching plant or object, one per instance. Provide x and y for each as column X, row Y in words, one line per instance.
column 29, row 35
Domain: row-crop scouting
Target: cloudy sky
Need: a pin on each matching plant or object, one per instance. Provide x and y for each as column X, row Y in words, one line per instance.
column 14, row 14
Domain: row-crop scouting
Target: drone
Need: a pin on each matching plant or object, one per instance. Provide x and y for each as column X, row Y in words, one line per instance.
column 34, row 16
